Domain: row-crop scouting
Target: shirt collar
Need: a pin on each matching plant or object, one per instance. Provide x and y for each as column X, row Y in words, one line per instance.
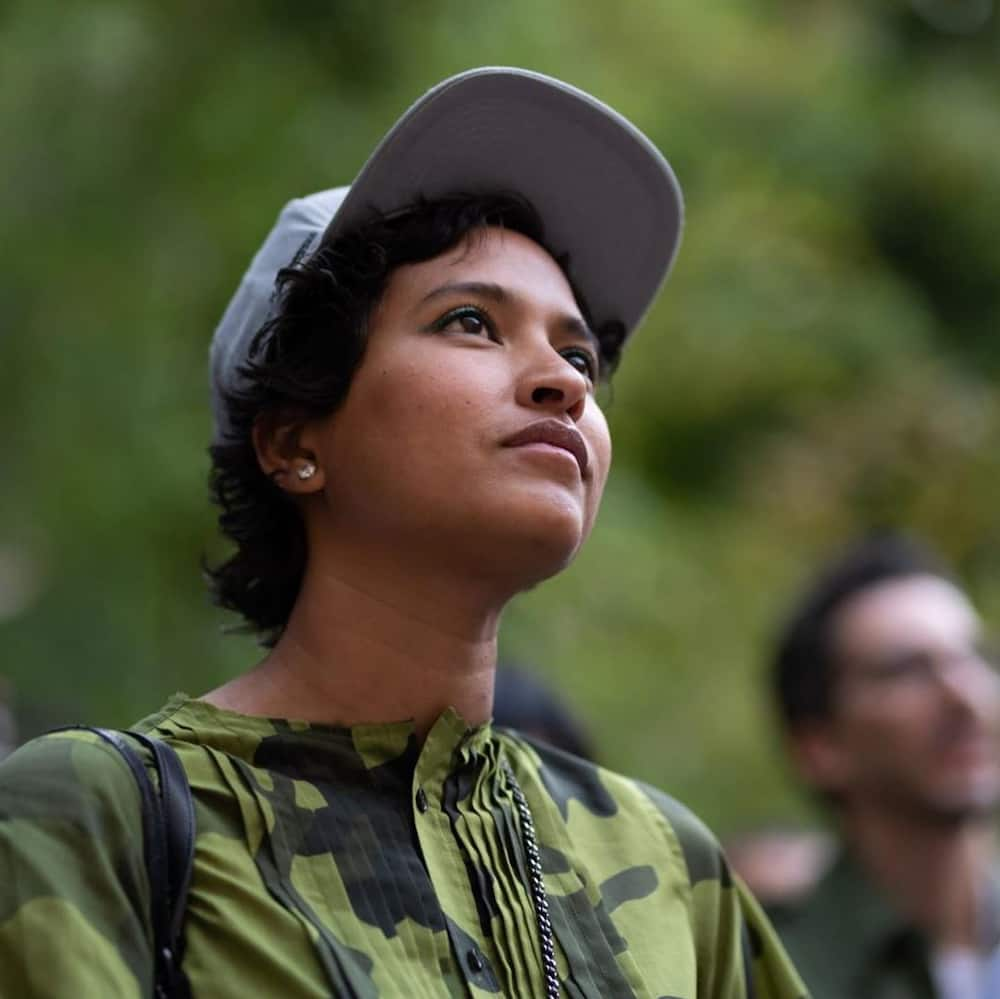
column 450, row 740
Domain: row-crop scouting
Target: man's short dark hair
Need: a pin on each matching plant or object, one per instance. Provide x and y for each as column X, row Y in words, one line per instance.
column 301, row 366
column 804, row 668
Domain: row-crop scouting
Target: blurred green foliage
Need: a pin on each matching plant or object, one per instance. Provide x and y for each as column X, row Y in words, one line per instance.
column 825, row 358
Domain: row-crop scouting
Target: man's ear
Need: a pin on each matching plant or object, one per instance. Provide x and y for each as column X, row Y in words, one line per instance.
column 277, row 439
column 819, row 755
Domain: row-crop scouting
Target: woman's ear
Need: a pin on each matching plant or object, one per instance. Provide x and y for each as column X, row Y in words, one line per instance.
column 281, row 456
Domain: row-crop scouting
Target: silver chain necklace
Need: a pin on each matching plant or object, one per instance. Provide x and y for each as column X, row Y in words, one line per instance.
column 538, row 895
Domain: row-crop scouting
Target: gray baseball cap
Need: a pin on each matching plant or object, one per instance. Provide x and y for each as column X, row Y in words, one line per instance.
column 605, row 194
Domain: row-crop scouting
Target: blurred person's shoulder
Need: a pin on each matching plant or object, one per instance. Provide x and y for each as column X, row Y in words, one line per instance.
column 846, row 934
column 833, row 931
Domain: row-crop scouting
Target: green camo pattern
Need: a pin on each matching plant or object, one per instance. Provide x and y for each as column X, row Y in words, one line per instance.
column 354, row 862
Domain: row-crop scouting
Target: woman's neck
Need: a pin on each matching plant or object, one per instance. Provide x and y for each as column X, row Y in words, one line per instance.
column 376, row 648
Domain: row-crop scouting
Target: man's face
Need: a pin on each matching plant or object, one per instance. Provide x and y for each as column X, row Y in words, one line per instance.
column 915, row 720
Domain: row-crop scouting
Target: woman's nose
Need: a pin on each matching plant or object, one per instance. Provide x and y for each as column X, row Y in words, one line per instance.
column 552, row 384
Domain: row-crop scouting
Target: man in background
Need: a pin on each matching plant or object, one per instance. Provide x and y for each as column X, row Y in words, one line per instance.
column 891, row 708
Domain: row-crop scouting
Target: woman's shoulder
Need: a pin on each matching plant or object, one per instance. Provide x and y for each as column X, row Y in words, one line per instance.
column 76, row 761
column 649, row 810
column 70, row 785
column 653, row 850
column 72, row 870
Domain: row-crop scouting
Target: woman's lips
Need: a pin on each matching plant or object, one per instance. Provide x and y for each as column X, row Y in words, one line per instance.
column 556, row 434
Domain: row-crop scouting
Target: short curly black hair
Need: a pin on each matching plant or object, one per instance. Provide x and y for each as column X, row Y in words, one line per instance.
column 803, row 672
column 301, row 366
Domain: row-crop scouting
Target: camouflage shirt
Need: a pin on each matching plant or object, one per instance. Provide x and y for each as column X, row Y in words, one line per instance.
column 355, row 862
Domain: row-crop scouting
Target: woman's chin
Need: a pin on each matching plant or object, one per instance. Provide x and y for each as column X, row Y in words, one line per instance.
column 540, row 541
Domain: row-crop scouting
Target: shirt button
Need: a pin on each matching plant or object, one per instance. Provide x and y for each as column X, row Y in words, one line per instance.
column 422, row 804
column 475, row 961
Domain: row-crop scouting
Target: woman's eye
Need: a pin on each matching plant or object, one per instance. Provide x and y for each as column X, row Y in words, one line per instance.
column 583, row 361
column 465, row 320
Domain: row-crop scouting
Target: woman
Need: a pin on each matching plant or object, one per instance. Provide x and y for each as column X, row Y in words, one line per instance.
column 406, row 437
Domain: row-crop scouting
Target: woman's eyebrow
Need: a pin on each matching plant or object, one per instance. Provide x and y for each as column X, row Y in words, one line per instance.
column 484, row 288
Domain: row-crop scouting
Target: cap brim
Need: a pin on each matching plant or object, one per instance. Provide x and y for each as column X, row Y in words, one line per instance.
column 606, row 195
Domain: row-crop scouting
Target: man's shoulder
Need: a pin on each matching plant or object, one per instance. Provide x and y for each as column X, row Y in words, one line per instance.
column 842, row 887
column 833, row 930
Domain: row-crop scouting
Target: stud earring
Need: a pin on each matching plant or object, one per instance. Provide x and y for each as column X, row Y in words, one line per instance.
column 306, row 471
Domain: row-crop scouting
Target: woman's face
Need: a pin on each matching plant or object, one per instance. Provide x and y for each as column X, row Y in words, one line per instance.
column 470, row 435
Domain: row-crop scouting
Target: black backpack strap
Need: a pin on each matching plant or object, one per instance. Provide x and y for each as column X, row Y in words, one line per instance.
column 168, row 847
column 177, row 818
